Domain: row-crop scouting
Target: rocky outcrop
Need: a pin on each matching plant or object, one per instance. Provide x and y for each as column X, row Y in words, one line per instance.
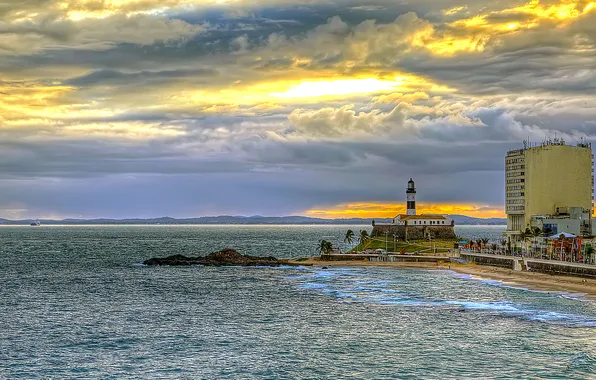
column 226, row 257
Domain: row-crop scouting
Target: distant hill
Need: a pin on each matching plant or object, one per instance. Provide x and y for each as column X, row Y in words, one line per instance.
column 467, row 220
column 257, row 219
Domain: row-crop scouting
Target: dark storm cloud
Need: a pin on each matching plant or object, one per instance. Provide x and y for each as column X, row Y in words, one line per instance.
column 104, row 77
column 536, row 69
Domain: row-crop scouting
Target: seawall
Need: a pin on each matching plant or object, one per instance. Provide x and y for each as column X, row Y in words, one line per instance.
column 340, row 257
column 561, row 268
column 384, row 258
column 508, row 262
column 533, row 265
column 414, row 232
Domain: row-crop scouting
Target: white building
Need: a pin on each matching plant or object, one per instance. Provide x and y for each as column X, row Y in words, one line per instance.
column 422, row 220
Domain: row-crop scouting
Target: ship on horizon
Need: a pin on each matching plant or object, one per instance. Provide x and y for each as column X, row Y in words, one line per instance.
column 36, row 223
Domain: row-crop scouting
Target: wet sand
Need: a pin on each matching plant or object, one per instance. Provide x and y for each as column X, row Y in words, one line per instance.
column 529, row 280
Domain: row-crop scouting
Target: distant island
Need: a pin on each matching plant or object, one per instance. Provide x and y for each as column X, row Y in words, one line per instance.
column 246, row 220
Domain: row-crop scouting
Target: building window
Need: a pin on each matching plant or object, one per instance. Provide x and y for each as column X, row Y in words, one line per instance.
column 516, row 194
column 443, row 222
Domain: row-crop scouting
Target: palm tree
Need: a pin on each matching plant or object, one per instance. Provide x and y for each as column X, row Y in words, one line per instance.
column 363, row 237
column 536, row 232
column 525, row 235
column 325, row 247
column 349, row 237
column 522, row 236
column 484, row 242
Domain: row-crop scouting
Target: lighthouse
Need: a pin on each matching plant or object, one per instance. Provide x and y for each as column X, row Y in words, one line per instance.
column 411, row 198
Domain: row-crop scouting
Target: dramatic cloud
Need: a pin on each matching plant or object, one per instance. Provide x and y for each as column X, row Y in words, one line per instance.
column 187, row 107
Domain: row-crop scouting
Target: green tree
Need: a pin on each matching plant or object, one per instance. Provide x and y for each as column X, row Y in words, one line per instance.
column 546, row 231
column 589, row 252
column 325, row 247
column 523, row 236
column 363, row 239
column 536, row 232
column 349, row 238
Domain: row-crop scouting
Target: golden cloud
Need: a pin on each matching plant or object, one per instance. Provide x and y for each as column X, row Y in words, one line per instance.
column 313, row 89
column 473, row 34
column 390, row 210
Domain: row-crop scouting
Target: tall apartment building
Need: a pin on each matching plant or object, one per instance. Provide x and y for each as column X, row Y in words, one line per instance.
column 551, row 181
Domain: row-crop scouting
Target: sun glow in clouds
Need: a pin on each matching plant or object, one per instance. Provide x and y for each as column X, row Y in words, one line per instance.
column 338, row 87
column 472, row 34
column 534, row 12
column 390, row 210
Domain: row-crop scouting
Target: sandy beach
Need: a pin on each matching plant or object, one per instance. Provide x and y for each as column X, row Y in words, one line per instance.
column 529, row 280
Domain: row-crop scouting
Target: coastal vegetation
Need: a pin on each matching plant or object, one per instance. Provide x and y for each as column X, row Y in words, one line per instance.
column 349, row 238
column 391, row 244
column 325, row 247
column 363, row 239
column 372, row 243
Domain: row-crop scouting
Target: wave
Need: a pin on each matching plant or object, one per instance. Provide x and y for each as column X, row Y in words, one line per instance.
column 398, row 293
column 308, row 285
column 500, row 284
column 500, row 306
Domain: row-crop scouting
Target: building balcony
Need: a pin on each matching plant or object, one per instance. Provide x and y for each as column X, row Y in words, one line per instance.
column 516, row 152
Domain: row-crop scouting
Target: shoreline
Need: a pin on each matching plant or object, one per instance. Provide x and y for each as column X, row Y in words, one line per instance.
column 509, row 277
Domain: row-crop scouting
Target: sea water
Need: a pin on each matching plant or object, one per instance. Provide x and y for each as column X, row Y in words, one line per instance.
column 76, row 303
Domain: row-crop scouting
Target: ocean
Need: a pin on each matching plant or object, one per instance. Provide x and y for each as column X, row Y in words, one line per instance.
column 76, row 303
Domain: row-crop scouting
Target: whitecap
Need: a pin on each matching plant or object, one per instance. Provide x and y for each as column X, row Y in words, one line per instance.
column 461, row 275
column 560, row 318
column 499, row 306
column 339, row 294
column 324, row 274
column 309, row 285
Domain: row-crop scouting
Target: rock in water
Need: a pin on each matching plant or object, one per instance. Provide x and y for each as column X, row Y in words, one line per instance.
column 225, row 257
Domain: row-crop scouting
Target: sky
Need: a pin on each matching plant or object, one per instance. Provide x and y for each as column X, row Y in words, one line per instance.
column 187, row 108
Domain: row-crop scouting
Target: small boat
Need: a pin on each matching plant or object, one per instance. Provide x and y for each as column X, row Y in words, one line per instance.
column 36, row 223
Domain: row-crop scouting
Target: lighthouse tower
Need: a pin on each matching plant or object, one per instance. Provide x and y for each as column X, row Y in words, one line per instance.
column 411, row 198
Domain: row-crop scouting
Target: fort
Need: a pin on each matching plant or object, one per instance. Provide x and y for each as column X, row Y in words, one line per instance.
column 410, row 226
column 408, row 232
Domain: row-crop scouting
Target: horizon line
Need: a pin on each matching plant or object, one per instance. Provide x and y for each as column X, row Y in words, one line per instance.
column 222, row 216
